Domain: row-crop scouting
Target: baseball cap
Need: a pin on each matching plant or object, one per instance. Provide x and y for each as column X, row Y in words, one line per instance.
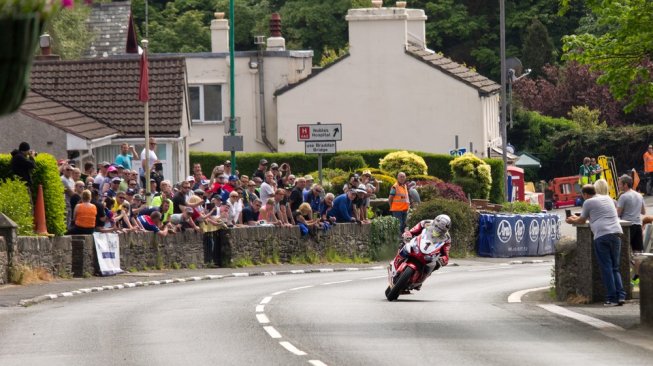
column 367, row 172
column 262, row 162
column 190, row 178
column 274, row 165
column 116, row 179
column 24, row 146
column 199, row 192
column 205, row 182
column 112, row 169
column 105, row 164
column 131, row 192
column 227, row 162
column 308, row 177
column 233, row 177
column 139, row 197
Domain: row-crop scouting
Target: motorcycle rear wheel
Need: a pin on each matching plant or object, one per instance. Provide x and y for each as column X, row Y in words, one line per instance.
column 402, row 283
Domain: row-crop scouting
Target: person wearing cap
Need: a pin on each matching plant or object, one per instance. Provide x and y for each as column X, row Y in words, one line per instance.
column 308, row 187
column 260, row 171
column 112, row 172
column 314, row 197
column 368, row 179
column 232, row 184
column 101, row 175
column 227, row 167
column 127, row 155
column 137, row 202
column 342, row 208
column 114, row 188
column 22, row 163
column 359, row 204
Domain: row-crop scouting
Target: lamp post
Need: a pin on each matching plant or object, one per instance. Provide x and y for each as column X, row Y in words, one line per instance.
column 502, row 122
column 232, row 88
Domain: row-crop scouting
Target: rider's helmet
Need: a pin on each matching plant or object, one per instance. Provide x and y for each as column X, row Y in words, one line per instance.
column 440, row 225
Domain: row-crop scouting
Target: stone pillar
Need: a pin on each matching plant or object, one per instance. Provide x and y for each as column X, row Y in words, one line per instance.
column 84, row 261
column 646, row 292
column 4, row 262
column 588, row 278
column 9, row 231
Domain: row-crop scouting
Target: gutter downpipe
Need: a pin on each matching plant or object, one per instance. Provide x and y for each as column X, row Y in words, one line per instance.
column 261, row 87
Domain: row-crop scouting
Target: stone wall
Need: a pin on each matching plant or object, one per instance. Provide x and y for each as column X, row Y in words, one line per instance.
column 52, row 254
column 646, row 292
column 4, row 261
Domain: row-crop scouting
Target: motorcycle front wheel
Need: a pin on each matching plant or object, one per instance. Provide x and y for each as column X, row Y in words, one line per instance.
column 400, row 285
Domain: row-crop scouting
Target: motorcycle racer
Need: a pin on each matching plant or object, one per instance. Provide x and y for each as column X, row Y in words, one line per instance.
column 437, row 231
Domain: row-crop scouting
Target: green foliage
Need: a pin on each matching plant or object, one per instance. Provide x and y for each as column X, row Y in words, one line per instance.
column 15, row 203
column 464, row 222
column 16, row 8
column 327, row 174
column 70, row 36
column 498, row 184
column 587, row 119
column 473, row 175
column 46, row 173
column 622, row 52
column 519, row 207
column 242, row 262
column 330, row 56
column 347, row 162
column 424, row 178
column 537, row 49
column 403, row 161
column 384, row 237
column 385, row 183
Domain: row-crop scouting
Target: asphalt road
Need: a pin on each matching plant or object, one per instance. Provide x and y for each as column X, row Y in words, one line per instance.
column 461, row 317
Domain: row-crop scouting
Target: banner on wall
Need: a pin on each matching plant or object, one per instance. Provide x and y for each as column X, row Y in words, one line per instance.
column 107, row 247
column 505, row 236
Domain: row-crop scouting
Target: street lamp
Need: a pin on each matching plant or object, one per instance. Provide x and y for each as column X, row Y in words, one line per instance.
column 511, row 80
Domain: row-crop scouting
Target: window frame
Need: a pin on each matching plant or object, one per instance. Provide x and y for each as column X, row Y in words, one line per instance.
column 201, row 103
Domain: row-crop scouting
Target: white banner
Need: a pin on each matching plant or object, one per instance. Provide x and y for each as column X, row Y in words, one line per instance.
column 107, row 247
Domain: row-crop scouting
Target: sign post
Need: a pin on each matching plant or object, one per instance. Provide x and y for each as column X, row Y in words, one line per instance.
column 319, row 139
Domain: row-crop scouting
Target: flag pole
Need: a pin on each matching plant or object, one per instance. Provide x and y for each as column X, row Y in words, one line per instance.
column 146, row 167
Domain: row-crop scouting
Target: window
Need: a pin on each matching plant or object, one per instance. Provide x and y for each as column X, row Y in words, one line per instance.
column 205, row 103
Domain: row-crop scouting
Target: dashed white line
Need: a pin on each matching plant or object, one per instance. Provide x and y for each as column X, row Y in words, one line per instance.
column 596, row 323
column 266, row 300
column 272, row 332
column 516, row 296
column 317, row 363
column 279, row 293
column 333, row 283
column 260, row 308
column 374, row 278
column 292, row 349
column 300, row 288
column 262, row 318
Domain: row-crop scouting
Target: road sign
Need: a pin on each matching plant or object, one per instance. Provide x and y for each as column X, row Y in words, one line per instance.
column 459, row 152
column 320, row 147
column 320, row 132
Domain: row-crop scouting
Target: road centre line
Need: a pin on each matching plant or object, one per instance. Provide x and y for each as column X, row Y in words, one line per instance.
column 266, row 300
column 272, row 332
column 260, row 308
column 262, row 318
column 333, row 283
column 278, row 293
column 517, row 295
column 596, row 323
column 317, row 363
column 300, row 288
column 292, row 349
column 374, row 278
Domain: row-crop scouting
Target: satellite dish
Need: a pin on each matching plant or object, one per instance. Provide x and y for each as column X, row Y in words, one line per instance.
column 515, row 64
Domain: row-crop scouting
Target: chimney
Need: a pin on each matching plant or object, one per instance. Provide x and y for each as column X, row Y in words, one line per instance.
column 377, row 31
column 219, row 33
column 276, row 42
column 45, row 43
column 416, row 26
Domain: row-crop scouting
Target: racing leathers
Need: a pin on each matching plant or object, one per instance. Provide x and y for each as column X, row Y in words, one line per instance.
column 432, row 236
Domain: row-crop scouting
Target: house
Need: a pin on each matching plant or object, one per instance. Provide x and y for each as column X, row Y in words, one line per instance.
column 85, row 109
column 391, row 91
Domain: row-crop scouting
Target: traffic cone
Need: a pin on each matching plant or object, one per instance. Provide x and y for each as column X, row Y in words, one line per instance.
column 39, row 213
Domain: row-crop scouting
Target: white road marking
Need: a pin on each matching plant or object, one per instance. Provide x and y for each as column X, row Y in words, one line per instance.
column 325, row 270
column 292, row 349
column 300, row 288
column 279, row 293
column 516, row 296
column 272, row 332
column 260, row 308
column 374, row 278
column 317, row 363
column 240, row 274
column 262, row 318
column 266, row 300
column 487, row 269
column 333, row 283
column 596, row 323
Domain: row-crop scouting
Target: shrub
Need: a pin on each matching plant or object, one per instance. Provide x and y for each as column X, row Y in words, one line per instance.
column 347, row 162
column 384, row 238
column 449, row 191
column 403, row 161
column 327, row 174
column 519, row 207
column 438, row 165
column 46, row 173
column 464, row 222
column 385, row 183
column 497, row 194
column 423, row 178
column 473, row 175
column 373, row 171
column 15, row 203
column 336, row 183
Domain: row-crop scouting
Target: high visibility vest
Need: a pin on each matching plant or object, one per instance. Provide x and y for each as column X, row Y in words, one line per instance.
column 648, row 162
column 400, row 201
column 85, row 218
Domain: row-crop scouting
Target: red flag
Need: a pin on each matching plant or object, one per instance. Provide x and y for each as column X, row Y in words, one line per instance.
column 143, row 89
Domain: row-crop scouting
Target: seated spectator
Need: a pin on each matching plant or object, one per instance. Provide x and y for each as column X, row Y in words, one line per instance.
column 280, row 207
column 152, row 223
column 325, row 209
column 304, row 216
column 251, row 214
column 235, row 207
column 84, row 216
column 266, row 214
column 342, row 207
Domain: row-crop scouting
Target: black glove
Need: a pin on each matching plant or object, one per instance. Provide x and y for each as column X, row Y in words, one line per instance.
column 437, row 265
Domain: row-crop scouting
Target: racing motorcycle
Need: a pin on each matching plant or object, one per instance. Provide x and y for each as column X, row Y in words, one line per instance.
column 408, row 272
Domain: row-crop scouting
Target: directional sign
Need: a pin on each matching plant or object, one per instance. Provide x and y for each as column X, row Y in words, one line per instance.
column 320, row 147
column 459, row 152
column 319, row 132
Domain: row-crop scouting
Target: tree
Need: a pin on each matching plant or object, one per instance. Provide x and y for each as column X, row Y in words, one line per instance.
column 70, row 36
column 624, row 53
column 537, row 48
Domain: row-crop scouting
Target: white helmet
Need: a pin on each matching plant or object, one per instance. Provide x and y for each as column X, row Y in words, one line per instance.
column 441, row 225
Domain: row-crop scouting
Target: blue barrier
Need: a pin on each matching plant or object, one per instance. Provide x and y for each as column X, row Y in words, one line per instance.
column 504, row 236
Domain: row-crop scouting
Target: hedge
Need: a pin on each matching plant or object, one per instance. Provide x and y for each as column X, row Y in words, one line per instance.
column 47, row 174
column 14, row 202
column 384, row 238
column 300, row 163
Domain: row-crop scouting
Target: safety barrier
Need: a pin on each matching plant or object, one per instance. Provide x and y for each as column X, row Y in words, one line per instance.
column 506, row 236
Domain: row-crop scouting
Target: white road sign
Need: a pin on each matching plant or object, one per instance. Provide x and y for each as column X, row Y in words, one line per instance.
column 320, row 132
column 320, row 147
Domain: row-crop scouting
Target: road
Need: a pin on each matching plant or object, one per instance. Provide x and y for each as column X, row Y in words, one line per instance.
column 461, row 317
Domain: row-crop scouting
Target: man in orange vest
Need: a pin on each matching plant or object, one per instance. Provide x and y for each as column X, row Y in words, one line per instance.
column 399, row 201
column 648, row 168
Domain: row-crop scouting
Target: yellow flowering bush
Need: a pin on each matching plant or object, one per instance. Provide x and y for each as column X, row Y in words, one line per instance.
column 403, row 161
column 473, row 175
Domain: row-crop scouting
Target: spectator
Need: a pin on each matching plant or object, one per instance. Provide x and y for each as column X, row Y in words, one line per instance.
column 360, row 204
column 648, row 170
column 297, row 194
column 126, row 156
column 179, row 200
column 630, row 207
column 123, row 216
column 604, row 223
column 274, row 168
column 342, row 207
column 77, row 195
column 152, row 223
column 283, row 174
column 184, row 220
column 22, row 163
column 308, row 187
column 369, row 180
column 280, row 207
column 352, row 183
column 227, row 168
column 112, row 172
column 89, row 171
column 100, row 217
column 399, row 201
column 250, row 215
column 109, row 223
column 76, row 174
column 303, row 217
column 597, row 170
column 267, row 187
column 266, row 214
column 198, row 175
column 68, row 187
column 325, row 208
column 585, row 171
column 260, row 171
column 314, row 197
column 235, row 208
column 114, row 188
column 103, row 168
column 231, row 186
column 137, row 204
column 191, row 192
column 84, row 216
column 413, row 195
column 288, row 182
